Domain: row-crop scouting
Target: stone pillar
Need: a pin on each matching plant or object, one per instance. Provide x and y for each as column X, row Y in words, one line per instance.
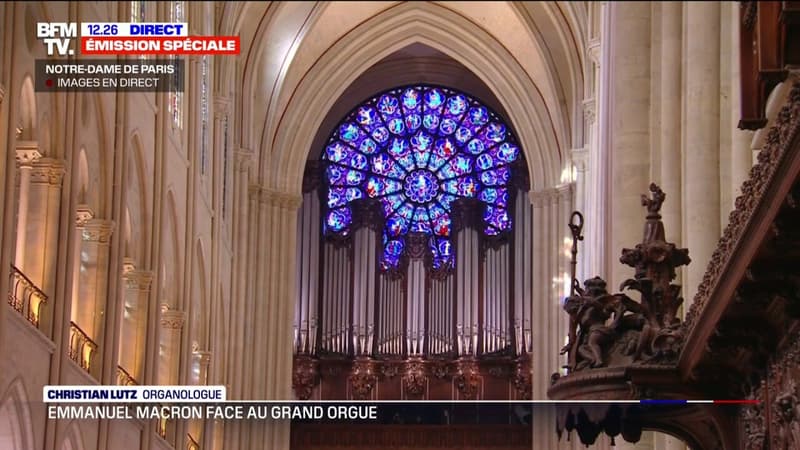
column 741, row 140
column 541, row 372
column 700, row 155
column 27, row 155
column 275, row 293
column 670, row 133
column 580, row 158
column 172, row 322
column 629, row 98
column 134, row 321
column 240, row 305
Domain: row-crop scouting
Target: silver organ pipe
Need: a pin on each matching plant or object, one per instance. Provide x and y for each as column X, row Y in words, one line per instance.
column 364, row 265
column 305, row 313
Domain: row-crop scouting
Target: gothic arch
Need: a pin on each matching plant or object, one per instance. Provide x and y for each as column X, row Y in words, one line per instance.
column 199, row 308
column 136, row 200
column 16, row 429
column 73, row 439
column 283, row 157
column 27, row 120
column 170, row 269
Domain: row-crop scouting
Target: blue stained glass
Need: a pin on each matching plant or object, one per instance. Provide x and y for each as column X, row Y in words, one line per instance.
column 413, row 122
column 431, row 121
column 495, row 132
column 354, row 177
column 441, row 226
column 388, row 150
column 475, row 146
column 394, row 247
column 358, row 161
column 495, row 196
column 398, row 147
column 335, row 175
column 448, row 126
column 411, row 99
column 392, row 203
column 463, row 134
column 396, row 226
column 336, row 197
column 497, row 217
column 338, row 220
column 407, row 211
column 435, row 161
column 367, row 116
column 434, row 98
column 478, row 115
column 485, row 161
column 421, row 141
column 496, row 177
column 467, row 187
column 507, row 152
column 446, row 200
column 337, row 152
column 353, row 194
column 388, row 105
column 407, row 162
column 380, row 134
column 396, row 126
column 421, row 186
column 445, row 148
column 456, row 105
column 349, row 132
column 368, row 146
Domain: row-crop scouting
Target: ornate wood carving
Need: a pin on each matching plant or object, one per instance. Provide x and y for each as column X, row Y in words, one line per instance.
column 466, row 378
column 414, row 378
column 305, row 376
column 363, row 378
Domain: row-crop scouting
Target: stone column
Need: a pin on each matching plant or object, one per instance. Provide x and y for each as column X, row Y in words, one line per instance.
column 134, row 321
column 27, row 154
column 172, row 322
column 275, row 288
column 629, row 69
column 540, row 376
column 700, row 156
column 240, row 305
column 741, row 140
column 670, row 134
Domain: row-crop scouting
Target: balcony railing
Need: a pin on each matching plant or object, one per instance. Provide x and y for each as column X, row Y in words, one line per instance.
column 24, row 296
column 124, row 378
column 81, row 347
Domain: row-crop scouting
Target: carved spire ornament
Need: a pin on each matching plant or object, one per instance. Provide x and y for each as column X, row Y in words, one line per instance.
column 613, row 339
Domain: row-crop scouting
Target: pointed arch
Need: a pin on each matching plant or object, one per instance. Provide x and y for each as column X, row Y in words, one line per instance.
column 170, row 265
column 16, row 428
column 283, row 156
column 73, row 439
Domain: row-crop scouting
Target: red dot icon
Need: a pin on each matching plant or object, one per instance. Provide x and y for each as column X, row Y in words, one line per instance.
column 49, row 83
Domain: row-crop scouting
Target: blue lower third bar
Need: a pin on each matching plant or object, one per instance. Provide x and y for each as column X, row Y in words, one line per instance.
column 662, row 402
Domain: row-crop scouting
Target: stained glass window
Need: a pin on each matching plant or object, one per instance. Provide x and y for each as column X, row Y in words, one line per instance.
column 416, row 150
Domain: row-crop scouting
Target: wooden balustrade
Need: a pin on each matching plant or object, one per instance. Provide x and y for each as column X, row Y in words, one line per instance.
column 24, row 296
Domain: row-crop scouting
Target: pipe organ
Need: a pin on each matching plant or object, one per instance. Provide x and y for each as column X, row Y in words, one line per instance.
column 348, row 309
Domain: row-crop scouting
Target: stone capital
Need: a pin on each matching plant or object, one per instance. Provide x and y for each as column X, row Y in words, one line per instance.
column 590, row 110
column 97, row 230
column 47, row 171
column 244, row 157
column 172, row 319
column 564, row 191
column 580, row 158
column 128, row 265
column 27, row 152
column 540, row 198
column 83, row 214
column 139, row 280
column 593, row 50
column 204, row 357
column 222, row 105
column 280, row 199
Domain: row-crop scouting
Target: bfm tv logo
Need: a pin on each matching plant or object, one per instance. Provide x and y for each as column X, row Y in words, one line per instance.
column 57, row 36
